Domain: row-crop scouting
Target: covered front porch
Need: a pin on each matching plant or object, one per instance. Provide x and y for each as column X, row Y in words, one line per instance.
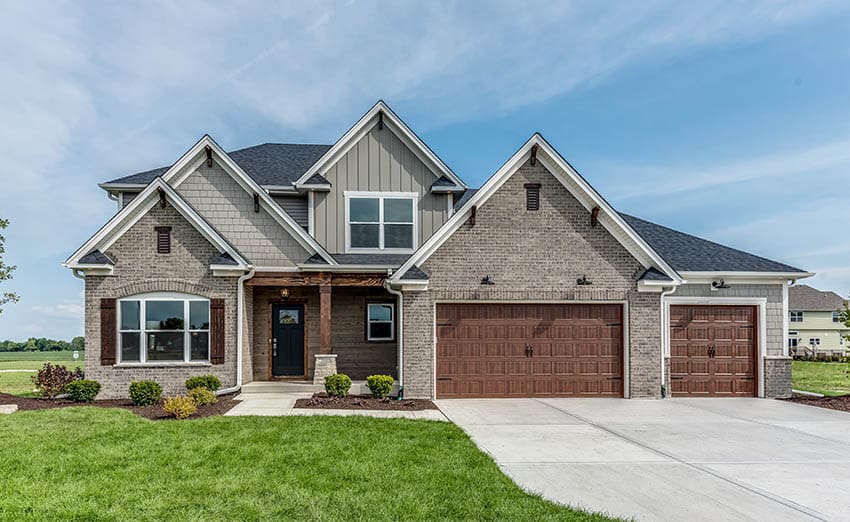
column 304, row 326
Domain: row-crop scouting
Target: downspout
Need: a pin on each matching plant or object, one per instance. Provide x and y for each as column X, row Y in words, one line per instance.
column 665, row 332
column 79, row 274
column 400, row 356
column 240, row 298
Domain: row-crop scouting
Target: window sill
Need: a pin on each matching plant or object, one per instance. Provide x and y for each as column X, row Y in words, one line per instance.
column 162, row 364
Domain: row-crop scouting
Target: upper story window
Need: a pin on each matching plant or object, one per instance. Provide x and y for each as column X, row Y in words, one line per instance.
column 836, row 317
column 155, row 328
column 796, row 317
column 380, row 221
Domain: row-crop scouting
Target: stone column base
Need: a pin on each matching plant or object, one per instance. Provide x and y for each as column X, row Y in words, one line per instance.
column 777, row 376
column 325, row 365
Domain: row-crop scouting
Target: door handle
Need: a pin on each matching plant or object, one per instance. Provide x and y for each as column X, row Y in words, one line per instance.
column 711, row 351
column 274, row 348
column 529, row 350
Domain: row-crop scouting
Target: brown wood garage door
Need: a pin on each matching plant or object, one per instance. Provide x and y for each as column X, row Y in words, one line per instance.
column 713, row 351
column 529, row 350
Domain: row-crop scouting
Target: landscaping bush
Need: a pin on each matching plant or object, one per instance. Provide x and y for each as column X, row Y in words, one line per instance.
column 52, row 380
column 83, row 390
column 145, row 393
column 179, row 407
column 202, row 396
column 380, row 385
column 210, row 382
column 338, row 384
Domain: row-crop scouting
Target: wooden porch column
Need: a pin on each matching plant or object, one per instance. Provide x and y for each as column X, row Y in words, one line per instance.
column 325, row 318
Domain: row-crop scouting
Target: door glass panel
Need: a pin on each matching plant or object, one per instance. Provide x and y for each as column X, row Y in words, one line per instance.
column 398, row 210
column 363, row 209
column 398, row 236
column 289, row 316
column 129, row 315
column 165, row 346
column 164, row 315
column 365, row 236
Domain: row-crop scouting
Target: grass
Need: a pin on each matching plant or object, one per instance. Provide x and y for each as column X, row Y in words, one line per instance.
column 19, row 383
column 821, row 377
column 108, row 464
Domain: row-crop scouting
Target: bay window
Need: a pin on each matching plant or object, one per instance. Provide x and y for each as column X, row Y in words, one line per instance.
column 156, row 328
column 377, row 221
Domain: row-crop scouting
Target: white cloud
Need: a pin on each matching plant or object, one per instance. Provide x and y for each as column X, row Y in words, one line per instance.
column 66, row 309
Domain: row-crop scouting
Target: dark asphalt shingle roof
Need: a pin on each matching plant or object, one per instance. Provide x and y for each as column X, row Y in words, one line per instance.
column 688, row 253
column 268, row 164
column 461, row 201
column 390, row 260
column 317, row 179
column 223, row 259
column 95, row 257
column 443, row 182
column 653, row 274
column 806, row 298
column 415, row 274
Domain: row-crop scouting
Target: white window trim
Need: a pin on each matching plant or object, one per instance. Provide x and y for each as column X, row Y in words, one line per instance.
column 142, row 331
column 369, row 321
column 791, row 316
column 348, row 195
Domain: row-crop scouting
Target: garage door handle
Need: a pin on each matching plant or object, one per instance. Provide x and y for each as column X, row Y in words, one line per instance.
column 444, row 378
column 615, row 378
column 676, row 378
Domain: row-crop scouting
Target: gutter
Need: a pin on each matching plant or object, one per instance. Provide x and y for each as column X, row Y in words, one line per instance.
column 391, row 290
column 240, row 298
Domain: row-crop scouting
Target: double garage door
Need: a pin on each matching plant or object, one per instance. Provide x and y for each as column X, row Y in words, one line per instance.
column 576, row 350
column 529, row 350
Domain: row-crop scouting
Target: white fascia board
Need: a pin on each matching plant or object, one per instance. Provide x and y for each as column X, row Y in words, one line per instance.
column 444, row 190
column 116, row 187
column 130, row 215
column 312, row 267
column 609, row 218
column 280, row 189
column 755, row 278
column 363, row 126
column 314, row 187
column 655, row 286
column 178, row 172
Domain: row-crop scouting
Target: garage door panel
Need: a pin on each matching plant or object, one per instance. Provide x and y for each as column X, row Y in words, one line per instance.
column 713, row 351
column 577, row 350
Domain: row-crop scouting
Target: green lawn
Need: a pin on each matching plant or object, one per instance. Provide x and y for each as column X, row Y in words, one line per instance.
column 19, row 383
column 821, row 377
column 108, row 464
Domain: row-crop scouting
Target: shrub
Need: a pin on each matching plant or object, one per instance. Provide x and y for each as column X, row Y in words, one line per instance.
column 380, row 385
column 337, row 384
column 145, row 393
column 179, row 407
column 83, row 390
column 202, row 396
column 210, row 382
column 52, row 380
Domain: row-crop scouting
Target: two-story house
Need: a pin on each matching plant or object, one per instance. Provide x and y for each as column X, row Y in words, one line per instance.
column 815, row 325
column 287, row 261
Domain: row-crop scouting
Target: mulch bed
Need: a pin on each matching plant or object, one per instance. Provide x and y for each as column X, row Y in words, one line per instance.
column 841, row 402
column 153, row 412
column 363, row 402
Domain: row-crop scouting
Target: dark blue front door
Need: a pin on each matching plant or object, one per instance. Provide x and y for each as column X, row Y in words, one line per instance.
column 288, row 340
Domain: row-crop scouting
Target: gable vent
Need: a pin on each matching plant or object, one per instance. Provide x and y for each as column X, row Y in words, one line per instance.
column 163, row 240
column 532, row 196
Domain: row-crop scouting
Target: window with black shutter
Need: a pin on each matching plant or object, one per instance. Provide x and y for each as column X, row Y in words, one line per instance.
column 163, row 240
column 532, row 196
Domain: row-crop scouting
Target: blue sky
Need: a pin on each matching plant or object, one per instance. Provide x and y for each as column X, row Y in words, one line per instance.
column 730, row 120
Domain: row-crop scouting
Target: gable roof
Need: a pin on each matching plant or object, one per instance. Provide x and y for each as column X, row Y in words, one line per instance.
column 380, row 113
column 269, row 164
column 572, row 181
column 90, row 251
column 806, row 298
column 687, row 253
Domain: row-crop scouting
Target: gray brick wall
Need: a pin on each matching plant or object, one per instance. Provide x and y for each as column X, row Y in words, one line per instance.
column 230, row 209
column 532, row 256
column 139, row 269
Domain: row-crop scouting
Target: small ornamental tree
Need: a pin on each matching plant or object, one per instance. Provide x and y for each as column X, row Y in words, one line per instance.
column 5, row 271
column 844, row 317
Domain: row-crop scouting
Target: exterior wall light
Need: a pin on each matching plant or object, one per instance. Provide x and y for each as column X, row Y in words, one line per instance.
column 487, row 281
column 719, row 285
column 284, row 293
column 583, row 281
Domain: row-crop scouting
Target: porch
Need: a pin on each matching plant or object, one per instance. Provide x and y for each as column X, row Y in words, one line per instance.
column 307, row 325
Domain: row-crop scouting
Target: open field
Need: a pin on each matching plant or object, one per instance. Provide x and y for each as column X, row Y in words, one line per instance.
column 19, row 383
column 106, row 464
column 821, row 377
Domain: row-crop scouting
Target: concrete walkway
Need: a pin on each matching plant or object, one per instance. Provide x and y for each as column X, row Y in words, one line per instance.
column 676, row 459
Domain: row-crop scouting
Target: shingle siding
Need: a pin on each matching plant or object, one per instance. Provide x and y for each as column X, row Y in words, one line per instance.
column 139, row 269
column 230, row 209
column 532, row 256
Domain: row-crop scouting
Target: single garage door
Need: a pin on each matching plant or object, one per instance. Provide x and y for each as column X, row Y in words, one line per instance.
column 529, row 350
column 713, row 351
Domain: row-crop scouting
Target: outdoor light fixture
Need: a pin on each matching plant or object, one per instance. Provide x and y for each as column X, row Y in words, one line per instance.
column 583, row 281
column 487, row 281
column 719, row 285
column 284, row 293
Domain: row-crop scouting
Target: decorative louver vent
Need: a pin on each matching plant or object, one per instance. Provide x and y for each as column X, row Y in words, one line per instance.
column 532, row 196
column 163, row 240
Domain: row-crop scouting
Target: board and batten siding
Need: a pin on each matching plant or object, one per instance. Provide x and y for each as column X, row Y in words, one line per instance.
column 379, row 162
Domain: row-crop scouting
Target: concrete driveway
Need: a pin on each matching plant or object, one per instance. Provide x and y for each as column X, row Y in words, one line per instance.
column 675, row 459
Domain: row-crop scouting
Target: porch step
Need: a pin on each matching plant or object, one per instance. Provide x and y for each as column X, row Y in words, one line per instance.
column 357, row 387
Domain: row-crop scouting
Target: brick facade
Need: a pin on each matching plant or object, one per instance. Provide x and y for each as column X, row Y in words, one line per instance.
column 532, row 256
column 139, row 269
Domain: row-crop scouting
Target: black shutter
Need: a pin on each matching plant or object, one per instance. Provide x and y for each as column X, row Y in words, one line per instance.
column 217, row 331
column 108, row 332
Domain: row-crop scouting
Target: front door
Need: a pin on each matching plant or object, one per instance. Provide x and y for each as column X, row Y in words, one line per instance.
column 288, row 340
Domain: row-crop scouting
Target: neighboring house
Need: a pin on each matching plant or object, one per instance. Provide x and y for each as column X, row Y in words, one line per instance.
column 369, row 256
column 814, row 322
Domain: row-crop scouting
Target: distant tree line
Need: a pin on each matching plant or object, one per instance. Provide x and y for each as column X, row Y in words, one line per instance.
column 41, row 344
